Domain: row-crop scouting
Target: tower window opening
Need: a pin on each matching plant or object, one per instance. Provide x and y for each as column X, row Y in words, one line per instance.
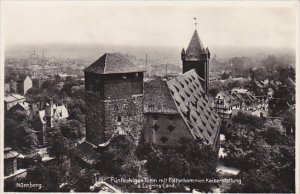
column 119, row 119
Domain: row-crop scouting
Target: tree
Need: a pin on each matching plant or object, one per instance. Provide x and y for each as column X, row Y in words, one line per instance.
column 189, row 160
column 71, row 129
column 265, row 155
column 19, row 133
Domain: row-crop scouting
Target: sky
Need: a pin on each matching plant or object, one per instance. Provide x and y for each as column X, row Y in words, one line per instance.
column 149, row 23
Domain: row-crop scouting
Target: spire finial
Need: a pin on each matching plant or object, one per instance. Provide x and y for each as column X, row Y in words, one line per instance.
column 195, row 22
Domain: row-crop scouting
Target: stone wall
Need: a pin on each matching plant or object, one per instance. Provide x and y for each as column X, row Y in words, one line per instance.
column 128, row 112
column 165, row 129
column 94, row 119
column 120, row 89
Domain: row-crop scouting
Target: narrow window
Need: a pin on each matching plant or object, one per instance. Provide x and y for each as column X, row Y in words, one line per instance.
column 119, row 119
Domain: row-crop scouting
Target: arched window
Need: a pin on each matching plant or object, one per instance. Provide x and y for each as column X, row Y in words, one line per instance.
column 119, row 119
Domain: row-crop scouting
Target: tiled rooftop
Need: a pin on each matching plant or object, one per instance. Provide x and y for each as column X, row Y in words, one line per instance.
column 193, row 105
column 157, row 98
column 113, row 63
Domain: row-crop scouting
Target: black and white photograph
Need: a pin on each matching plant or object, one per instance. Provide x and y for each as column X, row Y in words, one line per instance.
column 149, row 96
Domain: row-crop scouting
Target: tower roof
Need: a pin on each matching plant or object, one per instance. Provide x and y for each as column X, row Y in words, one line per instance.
column 195, row 47
column 113, row 63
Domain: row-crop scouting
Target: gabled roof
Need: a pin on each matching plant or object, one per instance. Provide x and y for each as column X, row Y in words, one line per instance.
column 230, row 100
column 157, row 98
column 195, row 47
column 111, row 63
column 194, row 107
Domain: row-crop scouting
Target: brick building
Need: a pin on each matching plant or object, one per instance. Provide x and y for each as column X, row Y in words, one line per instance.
column 114, row 97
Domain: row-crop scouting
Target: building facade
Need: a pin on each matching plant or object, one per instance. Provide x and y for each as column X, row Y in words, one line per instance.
column 180, row 110
column 224, row 104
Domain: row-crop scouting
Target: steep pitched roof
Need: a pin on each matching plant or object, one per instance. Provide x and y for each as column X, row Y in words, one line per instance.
column 194, row 107
column 157, row 98
column 195, row 47
column 113, row 63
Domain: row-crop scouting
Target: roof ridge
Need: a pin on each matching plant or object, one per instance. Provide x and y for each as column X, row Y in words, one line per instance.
column 105, row 63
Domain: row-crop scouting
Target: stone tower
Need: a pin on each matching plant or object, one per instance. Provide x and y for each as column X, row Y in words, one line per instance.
column 196, row 57
column 114, row 98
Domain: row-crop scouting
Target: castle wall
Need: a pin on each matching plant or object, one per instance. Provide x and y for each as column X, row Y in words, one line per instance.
column 128, row 112
column 113, row 98
column 94, row 118
column 165, row 129
column 123, row 86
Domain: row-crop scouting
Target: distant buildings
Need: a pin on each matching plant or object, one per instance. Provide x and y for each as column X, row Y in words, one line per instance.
column 224, row 104
column 229, row 103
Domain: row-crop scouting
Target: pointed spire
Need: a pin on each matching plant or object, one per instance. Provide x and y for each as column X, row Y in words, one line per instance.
column 182, row 51
column 195, row 47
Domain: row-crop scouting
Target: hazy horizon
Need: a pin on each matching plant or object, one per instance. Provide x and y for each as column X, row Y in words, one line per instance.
column 147, row 24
